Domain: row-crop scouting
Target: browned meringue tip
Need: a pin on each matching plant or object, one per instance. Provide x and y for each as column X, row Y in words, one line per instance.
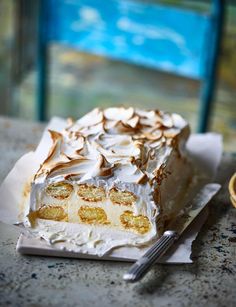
column 55, row 135
column 232, row 189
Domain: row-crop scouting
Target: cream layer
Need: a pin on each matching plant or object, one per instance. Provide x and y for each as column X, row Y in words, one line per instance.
column 113, row 211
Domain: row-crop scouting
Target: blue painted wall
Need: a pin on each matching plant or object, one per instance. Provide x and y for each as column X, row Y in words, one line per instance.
column 166, row 38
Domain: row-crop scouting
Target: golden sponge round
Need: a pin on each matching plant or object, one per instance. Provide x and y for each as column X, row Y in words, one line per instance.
column 139, row 223
column 91, row 192
column 125, row 198
column 48, row 212
column 59, row 190
column 92, row 215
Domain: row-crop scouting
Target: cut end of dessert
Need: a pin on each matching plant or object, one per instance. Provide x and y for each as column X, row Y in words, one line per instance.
column 93, row 205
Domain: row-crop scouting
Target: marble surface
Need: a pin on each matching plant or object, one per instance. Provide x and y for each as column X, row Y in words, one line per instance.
column 44, row 281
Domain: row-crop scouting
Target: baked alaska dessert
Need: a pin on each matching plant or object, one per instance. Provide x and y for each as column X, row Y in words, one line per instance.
column 119, row 169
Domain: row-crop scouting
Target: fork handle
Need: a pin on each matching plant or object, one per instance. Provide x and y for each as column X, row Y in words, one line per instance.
column 141, row 266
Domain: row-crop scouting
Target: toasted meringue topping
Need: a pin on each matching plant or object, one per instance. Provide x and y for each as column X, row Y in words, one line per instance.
column 127, row 143
column 118, row 114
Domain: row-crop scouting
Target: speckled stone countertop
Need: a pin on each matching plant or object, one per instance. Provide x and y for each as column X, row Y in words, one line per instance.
column 43, row 281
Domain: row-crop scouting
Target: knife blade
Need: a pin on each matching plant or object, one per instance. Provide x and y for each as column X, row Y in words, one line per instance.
column 175, row 229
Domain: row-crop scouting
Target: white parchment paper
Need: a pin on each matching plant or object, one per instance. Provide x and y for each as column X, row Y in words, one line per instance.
column 205, row 150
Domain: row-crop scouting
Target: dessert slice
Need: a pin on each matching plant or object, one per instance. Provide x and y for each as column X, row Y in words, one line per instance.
column 119, row 168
